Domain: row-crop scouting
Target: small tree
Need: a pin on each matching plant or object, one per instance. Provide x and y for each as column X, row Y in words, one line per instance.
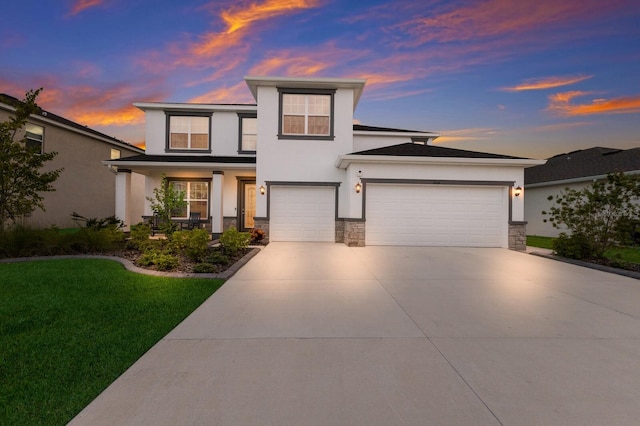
column 600, row 215
column 22, row 179
column 166, row 203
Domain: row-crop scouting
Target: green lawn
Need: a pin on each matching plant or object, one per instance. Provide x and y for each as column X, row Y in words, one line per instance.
column 68, row 328
column 627, row 254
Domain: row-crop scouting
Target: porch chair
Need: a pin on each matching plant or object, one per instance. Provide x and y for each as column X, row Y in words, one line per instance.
column 194, row 220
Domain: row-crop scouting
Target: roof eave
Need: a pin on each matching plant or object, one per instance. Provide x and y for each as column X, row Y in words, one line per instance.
column 163, row 106
column 575, row 180
column 357, row 84
column 176, row 165
column 432, row 135
column 343, row 161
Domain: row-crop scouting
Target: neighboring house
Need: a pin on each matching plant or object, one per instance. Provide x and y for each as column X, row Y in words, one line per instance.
column 85, row 186
column 575, row 170
column 297, row 167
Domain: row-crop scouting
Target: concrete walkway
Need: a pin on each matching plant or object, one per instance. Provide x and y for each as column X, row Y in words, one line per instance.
column 323, row 334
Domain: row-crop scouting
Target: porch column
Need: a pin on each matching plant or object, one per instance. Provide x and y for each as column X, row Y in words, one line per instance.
column 123, row 197
column 216, row 202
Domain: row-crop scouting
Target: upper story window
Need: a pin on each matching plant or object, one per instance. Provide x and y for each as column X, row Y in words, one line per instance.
column 306, row 114
column 248, row 133
column 115, row 154
column 188, row 132
column 34, row 137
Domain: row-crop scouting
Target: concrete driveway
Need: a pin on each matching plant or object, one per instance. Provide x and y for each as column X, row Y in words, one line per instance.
column 324, row 334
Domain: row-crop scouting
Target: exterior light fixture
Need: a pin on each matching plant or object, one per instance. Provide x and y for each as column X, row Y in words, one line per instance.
column 358, row 187
column 517, row 191
column 262, row 190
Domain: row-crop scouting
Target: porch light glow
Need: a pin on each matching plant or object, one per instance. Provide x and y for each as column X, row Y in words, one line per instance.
column 517, row 191
column 358, row 187
column 262, row 190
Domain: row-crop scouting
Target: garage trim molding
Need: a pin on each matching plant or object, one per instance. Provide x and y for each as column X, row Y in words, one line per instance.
column 271, row 183
column 365, row 181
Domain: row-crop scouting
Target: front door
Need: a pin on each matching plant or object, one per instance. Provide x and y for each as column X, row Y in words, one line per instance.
column 246, row 205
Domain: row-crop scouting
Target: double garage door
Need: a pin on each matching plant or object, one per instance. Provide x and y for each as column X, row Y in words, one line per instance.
column 435, row 215
column 396, row 214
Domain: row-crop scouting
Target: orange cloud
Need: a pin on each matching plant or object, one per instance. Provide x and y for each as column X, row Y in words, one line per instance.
column 237, row 22
column 293, row 65
column 238, row 93
column 471, row 134
column 546, row 83
column 81, row 5
column 560, row 103
column 122, row 116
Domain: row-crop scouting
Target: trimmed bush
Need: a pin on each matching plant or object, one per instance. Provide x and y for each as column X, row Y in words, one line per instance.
column 576, row 246
column 232, row 241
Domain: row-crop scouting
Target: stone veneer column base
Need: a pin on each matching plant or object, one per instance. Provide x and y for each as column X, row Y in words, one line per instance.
column 354, row 232
column 228, row 222
column 518, row 236
column 339, row 231
column 262, row 223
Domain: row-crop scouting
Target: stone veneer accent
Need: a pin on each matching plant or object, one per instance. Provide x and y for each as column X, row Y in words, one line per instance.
column 262, row 223
column 354, row 231
column 339, row 231
column 228, row 222
column 518, row 236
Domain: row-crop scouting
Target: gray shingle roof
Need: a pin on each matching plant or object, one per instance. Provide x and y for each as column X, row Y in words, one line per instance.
column 410, row 149
column 361, row 127
column 584, row 163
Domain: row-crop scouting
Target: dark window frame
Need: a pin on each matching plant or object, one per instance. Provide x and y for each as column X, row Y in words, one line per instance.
column 169, row 114
column 293, row 91
column 31, row 142
column 209, row 194
column 241, row 117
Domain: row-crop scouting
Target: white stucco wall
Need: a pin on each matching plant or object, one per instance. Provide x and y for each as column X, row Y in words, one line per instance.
column 300, row 160
column 224, row 132
column 430, row 172
column 366, row 142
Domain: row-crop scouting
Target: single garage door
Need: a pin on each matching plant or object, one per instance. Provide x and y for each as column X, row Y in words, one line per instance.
column 435, row 215
column 302, row 213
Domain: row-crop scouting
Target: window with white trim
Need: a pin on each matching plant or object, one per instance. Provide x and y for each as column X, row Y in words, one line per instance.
column 307, row 115
column 196, row 194
column 188, row 132
column 34, row 138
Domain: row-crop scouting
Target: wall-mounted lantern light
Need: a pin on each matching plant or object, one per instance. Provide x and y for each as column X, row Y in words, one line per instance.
column 358, row 187
column 262, row 190
column 517, row 191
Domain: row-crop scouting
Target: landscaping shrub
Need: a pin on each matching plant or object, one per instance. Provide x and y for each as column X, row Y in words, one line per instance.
column 193, row 243
column 140, row 237
column 205, row 268
column 233, row 241
column 257, row 235
column 575, row 246
column 166, row 262
column 218, row 258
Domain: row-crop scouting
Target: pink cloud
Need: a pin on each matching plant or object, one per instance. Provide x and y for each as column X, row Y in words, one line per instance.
column 546, row 83
column 81, row 5
column 561, row 104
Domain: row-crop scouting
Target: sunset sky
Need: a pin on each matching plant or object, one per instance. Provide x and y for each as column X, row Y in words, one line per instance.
column 531, row 78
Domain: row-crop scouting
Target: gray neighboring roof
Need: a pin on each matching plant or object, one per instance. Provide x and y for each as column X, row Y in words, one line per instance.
column 185, row 159
column 584, row 163
column 13, row 102
column 411, row 149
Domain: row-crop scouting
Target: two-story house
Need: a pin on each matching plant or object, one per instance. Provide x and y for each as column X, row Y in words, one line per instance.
column 85, row 186
column 296, row 166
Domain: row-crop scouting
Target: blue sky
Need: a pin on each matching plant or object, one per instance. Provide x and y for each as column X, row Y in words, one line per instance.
column 523, row 77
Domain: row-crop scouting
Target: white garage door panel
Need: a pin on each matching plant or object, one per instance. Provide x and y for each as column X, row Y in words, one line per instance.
column 302, row 213
column 435, row 215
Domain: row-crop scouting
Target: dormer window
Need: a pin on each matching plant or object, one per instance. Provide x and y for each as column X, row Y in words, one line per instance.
column 188, row 132
column 306, row 114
